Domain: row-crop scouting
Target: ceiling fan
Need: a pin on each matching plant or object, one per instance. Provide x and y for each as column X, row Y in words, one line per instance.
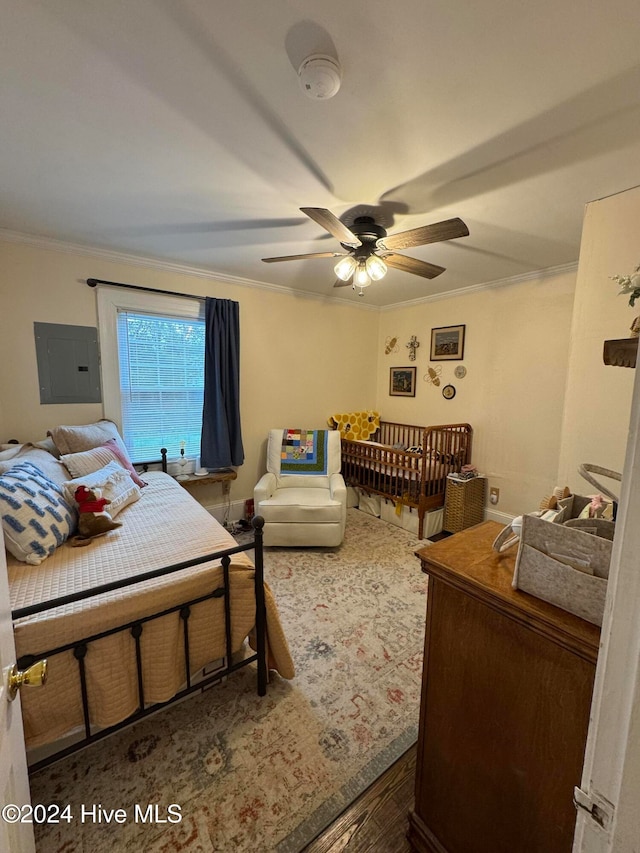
column 369, row 250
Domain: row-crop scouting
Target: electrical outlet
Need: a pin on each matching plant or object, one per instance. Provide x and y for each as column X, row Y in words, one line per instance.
column 494, row 495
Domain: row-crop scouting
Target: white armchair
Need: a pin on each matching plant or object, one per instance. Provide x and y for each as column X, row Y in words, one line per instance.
column 302, row 509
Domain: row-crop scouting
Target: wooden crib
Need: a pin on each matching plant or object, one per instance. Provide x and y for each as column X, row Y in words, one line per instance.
column 408, row 463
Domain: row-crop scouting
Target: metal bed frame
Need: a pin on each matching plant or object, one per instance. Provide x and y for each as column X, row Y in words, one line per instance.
column 82, row 647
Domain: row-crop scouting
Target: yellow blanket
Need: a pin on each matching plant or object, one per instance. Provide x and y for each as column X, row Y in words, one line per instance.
column 355, row 425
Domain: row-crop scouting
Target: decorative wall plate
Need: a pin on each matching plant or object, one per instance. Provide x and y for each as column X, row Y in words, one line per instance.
column 448, row 392
column 460, row 371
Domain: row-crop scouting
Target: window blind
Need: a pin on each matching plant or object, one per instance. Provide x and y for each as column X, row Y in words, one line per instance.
column 161, row 364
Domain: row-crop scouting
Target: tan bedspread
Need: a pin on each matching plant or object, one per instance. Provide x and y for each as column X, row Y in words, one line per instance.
column 165, row 526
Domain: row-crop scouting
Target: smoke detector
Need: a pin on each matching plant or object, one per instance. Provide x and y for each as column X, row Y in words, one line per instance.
column 320, row 77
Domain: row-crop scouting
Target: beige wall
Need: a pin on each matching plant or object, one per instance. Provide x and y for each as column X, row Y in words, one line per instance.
column 536, row 392
column 516, row 355
column 37, row 286
column 302, row 358
column 598, row 400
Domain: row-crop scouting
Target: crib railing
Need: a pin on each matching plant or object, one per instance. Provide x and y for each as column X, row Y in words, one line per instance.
column 417, row 478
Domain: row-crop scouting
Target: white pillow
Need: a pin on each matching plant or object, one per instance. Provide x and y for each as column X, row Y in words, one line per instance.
column 8, row 451
column 87, row 461
column 113, row 481
column 73, row 439
column 36, row 516
column 43, row 461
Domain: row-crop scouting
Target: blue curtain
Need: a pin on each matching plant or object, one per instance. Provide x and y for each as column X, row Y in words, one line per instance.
column 221, row 443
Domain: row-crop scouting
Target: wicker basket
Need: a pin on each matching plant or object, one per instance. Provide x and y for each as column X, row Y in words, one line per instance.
column 464, row 503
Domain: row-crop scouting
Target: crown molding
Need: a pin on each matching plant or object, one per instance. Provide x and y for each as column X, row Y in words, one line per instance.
column 548, row 272
column 54, row 245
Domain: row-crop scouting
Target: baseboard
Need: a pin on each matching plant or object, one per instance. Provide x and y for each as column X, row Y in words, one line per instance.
column 496, row 515
column 234, row 511
column 421, row 837
column 229, row 512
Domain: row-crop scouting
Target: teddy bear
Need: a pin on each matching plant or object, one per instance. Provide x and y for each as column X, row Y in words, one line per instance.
column 93, row 519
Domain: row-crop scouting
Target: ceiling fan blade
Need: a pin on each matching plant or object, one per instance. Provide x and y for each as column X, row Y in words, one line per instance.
column 413, row 265
column 341, row 283
column 332, row 224
column 435, row 233
column 303, row 257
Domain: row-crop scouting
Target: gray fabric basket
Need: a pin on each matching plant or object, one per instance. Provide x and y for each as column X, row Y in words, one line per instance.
column 565, row 565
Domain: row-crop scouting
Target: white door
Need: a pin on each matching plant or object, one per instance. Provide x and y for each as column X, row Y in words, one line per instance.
column 15, row 837
column 611, row 773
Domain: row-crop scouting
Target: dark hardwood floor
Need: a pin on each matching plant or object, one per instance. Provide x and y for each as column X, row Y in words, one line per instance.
column 377, row 821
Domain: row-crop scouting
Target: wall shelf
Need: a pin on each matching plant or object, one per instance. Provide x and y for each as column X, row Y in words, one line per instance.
column 621, row 353
column 222, row 476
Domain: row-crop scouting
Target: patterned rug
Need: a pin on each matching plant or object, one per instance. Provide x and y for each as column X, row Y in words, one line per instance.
column 261, row 775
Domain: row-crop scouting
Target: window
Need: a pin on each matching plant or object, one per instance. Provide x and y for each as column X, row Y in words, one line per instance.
column 153, row 371
column 161, row 363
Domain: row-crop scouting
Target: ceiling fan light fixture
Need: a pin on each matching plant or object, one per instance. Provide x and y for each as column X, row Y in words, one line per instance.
column 361, row 277
column 345, row 268
column 376, row 267
column 369, row 250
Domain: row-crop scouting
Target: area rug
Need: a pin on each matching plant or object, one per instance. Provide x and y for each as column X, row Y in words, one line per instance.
column 230, row 771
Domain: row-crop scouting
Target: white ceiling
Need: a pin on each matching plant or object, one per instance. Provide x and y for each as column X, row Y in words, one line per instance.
column 177, row 129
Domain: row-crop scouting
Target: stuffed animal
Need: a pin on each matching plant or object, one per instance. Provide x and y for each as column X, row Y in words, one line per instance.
column 93, row 520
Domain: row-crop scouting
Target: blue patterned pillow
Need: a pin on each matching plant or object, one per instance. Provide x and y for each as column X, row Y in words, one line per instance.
column 36, row 515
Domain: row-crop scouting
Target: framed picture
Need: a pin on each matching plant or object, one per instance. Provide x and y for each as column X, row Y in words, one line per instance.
column 447, row 343
column 402, row 381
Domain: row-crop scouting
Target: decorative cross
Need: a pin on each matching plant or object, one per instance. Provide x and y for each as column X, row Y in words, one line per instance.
column 413, row 346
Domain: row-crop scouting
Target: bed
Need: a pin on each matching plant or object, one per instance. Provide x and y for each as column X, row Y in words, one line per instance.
column 407, row 464
column 129, row 622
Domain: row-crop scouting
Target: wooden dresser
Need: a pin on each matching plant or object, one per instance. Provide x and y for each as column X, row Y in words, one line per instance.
column 506, row 694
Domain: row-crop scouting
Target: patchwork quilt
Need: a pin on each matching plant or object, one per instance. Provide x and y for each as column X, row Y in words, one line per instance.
column 304, row 451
